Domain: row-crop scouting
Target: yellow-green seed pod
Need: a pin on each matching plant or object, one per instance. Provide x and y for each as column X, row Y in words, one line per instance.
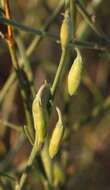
column 66, row 30
column 39, row 111
column 75, row 73
column 59, row 174
column 57, row 136
column 47, row 162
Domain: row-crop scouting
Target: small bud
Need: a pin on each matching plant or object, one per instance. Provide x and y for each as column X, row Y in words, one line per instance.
column 40, row 114
column 66, row 30
column 75, row 73
column 57, row 136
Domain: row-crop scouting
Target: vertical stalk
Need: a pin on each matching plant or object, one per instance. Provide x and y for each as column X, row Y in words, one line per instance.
column 59, row 71
column 21, row 75
column 73, row 16
column 29, row 164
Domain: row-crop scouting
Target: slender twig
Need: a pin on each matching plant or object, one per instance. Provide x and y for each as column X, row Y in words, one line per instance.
column 8, row 176
column 45, row 28
column 25, row 63
column 22, row 78
column 90, row 45
column 73, row 16
column 32, row 156
column 54, row 37
column 7, row 85
column 11, row 22
column 11, row 125
column 59, row 71
column 83, row 29
column 88, row 19
column 24, row 85
column 42, row 32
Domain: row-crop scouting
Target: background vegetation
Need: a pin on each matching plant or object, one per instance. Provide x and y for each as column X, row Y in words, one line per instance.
column 83, row 161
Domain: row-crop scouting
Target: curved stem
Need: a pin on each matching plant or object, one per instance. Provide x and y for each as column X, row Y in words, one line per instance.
column 59, row 71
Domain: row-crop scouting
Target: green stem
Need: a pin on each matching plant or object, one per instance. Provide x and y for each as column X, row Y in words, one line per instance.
column 27, row 28
column 29, row 164
column 59, row 71
column 7, row 176
column 25, row 63
column 73, row 16
column 7, row 85
column 90, row 45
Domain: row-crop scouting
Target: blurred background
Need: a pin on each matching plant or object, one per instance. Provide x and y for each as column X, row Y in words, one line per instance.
column 84, row 156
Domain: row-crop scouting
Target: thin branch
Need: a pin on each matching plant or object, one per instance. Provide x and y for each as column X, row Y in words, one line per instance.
column 88, row 19
column 11, row 125
column 32, row 156
column 56, row 37
column 21, row 75
column 59, row 71
column 7, row 85
column 73, row 16
column 15, row 24
column 8, row 176
column 45, row 28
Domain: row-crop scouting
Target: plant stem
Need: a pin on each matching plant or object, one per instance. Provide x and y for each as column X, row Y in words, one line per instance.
column 29, row 164
column 88, row 19
column 25, row 92
column 25, row 63
column 21, row 75
column 45, row 27
column 73, row 16
column 7, row 85
column 59, row 71
column 15, row 24
column 11, row 125
column 7, row 176
column 83, row 29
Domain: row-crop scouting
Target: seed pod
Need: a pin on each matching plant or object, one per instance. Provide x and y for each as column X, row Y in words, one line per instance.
column 59, row 174
column 47, row 162
column 57, row 136
column 75, row 73
column 66, row 30
column 40, row 114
